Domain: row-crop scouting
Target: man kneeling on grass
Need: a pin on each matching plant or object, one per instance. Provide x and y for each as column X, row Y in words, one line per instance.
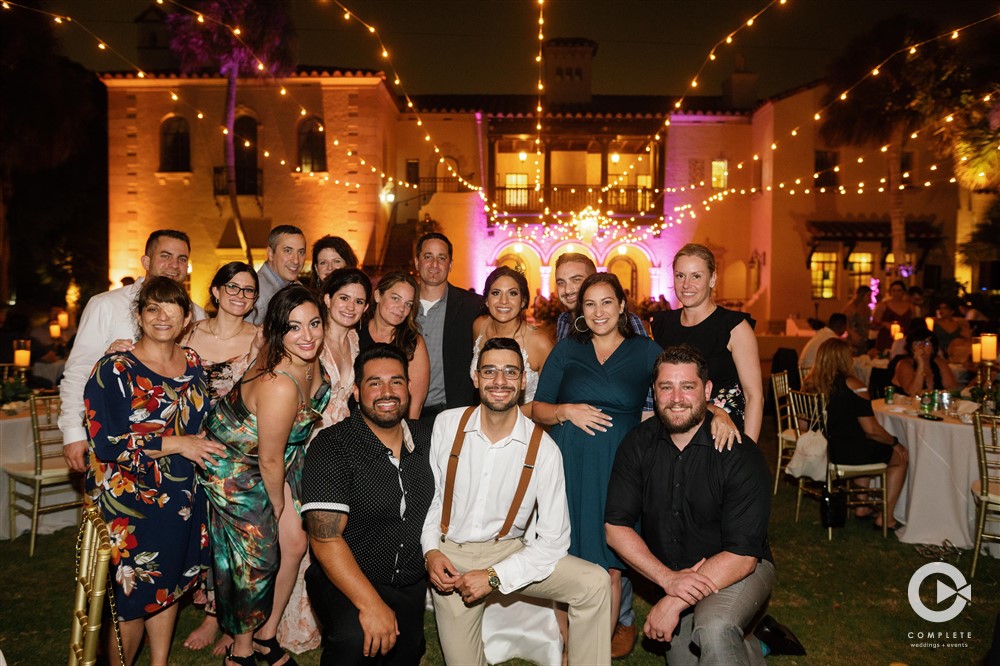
column 492, row 468
column 704, row 518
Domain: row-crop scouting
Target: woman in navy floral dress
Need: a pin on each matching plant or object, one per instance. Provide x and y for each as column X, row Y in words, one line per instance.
column 142, row 406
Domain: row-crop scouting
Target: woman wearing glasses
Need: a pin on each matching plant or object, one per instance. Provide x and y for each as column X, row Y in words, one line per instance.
column 224, row 344
column 252, row 488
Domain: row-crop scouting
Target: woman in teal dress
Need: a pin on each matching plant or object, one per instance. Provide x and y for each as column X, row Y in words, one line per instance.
column 143, row 407
column 592, row 391
column 253, row 487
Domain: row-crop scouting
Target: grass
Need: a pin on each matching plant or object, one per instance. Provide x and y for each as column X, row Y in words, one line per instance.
column 846, row 600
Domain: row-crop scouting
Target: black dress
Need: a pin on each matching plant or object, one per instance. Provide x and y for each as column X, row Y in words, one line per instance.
column 848, row 444
column 711, row 338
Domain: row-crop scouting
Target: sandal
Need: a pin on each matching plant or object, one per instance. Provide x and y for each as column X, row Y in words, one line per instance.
column 248, row 660
column 274, row 652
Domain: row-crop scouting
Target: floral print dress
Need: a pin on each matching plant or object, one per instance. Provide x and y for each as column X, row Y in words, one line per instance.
column 154, row 508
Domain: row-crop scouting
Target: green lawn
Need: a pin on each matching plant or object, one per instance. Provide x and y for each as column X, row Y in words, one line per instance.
column 845, row 600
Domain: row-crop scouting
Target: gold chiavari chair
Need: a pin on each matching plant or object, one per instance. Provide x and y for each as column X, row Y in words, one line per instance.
column 986, row 489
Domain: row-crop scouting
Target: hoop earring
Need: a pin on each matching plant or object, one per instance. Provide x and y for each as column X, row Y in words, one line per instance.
column 576, row 325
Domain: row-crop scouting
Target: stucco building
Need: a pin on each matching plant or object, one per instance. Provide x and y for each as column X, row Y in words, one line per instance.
column 624, row 179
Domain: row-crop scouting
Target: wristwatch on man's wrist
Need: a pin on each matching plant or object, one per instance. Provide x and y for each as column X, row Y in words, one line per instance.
column 493, row 578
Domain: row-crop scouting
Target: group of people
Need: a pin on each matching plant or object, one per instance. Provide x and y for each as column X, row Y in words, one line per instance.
column 416, row 432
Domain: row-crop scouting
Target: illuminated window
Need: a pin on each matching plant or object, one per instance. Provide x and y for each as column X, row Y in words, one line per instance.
column 175, row 145
column 825, row 163
column 516, row 193
column 312, row 146
column 720, row 174
column 823, row 274
column 860, row 267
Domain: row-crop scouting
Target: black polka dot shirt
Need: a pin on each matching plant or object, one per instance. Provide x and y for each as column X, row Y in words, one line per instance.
column 349, row 470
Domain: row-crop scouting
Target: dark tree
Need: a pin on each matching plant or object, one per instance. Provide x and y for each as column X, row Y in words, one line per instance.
column 264, row 48
column 911, row 91
column 53, row 137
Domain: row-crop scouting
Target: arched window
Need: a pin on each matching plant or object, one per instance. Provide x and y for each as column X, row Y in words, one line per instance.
column 175, row 145
column 247, row 180
column 312, row 146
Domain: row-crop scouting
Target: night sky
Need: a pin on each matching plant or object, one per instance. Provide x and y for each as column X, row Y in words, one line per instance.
column 478, row 46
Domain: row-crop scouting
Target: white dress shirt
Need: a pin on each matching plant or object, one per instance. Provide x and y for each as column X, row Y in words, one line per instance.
column 485, row 481
column 807, row 359
column 107, row 317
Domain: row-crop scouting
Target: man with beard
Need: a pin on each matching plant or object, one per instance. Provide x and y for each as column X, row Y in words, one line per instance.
column 492, row 468
column 367, row 581
column 704, row 520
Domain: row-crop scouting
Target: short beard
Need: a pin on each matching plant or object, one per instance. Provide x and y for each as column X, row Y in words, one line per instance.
column 383, row 421
column 697, row 416
column 513, row 402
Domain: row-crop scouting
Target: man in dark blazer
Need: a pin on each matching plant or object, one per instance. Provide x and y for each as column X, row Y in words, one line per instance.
column 445, row 317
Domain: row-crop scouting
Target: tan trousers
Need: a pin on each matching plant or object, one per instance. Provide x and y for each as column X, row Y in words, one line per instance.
column 584, row 586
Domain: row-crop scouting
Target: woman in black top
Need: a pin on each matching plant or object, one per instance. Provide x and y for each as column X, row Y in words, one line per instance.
column 724, row 337
column 393, row 320
column 854, row 436
column 921, row 368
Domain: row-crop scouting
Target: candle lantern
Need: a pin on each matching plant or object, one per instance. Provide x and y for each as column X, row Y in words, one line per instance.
column 63, row 320
column 22, row 353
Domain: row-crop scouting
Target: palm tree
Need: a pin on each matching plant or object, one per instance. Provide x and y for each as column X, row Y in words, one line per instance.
column 912, row 89
column 263, row 47
column 984, row 241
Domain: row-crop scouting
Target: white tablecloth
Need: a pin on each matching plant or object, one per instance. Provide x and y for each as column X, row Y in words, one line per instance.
column 936, row 502
column 16, row 446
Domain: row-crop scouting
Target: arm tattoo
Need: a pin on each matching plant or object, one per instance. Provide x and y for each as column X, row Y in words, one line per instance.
column 325, row 525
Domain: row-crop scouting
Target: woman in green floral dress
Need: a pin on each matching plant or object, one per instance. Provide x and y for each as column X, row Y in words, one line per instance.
column 142, row 407
column 263, row 424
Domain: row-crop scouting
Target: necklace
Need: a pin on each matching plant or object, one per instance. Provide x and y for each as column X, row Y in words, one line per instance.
column 214, row 335
column 309, row 373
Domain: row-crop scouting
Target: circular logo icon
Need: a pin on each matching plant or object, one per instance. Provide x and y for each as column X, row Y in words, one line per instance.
column 960, row 589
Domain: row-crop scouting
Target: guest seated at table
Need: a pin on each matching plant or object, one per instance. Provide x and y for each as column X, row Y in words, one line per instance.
column 949, row 328
column 920, row 368
column 854, row 436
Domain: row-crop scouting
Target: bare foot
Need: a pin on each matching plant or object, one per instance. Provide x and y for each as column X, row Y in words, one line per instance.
column 222, row 645
column 203, row 636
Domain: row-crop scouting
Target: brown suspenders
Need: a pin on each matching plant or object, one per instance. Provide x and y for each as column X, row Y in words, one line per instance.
column 522, row 484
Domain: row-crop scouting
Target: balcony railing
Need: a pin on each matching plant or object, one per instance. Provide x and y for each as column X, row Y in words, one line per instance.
column 249, row 182
column 574, row 197
column 429, row 186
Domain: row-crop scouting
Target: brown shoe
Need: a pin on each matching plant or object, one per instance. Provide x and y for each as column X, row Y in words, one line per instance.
column 622, row 641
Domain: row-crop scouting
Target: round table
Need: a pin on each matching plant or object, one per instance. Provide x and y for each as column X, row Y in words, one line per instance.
column 936, row 502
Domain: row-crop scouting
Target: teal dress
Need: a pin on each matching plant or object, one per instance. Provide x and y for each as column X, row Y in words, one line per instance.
column 242, row 527
column 572, row 374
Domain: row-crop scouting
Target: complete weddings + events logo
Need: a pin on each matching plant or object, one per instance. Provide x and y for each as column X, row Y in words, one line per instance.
column 959, row 589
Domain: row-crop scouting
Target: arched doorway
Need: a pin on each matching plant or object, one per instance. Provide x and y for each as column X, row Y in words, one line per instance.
column 624, row 268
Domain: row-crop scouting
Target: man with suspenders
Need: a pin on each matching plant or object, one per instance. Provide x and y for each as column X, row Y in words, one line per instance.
column 492, row 469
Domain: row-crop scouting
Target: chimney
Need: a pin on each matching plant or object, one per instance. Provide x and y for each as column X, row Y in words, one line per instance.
column 568, row 70
column 739, row 90
column 153, row 41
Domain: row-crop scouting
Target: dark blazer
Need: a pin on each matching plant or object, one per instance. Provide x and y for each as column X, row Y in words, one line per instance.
column 462, row 309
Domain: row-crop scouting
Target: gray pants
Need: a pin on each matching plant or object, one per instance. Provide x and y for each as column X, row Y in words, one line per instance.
column 720, row 622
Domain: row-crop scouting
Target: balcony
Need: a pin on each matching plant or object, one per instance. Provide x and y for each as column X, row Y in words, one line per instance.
column 625, row 199
column 249, row 182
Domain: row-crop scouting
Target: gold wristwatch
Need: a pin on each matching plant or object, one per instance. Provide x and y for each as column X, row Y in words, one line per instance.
column 493, row 578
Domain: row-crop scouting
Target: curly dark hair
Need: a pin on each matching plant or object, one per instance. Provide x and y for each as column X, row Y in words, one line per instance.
column 611, row 280
column 276, row 325
column 226, row 273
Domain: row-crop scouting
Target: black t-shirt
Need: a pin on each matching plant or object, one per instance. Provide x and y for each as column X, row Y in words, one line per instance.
column 710, row 337
column 349, row 470
column 694, row 503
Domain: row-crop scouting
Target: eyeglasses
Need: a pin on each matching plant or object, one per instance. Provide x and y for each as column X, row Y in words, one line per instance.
column 490, row 371
column 232, row 289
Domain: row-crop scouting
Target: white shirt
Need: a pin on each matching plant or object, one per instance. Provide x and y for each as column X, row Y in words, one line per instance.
column 107, row 317
column 807, row 359
column 485, row 481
